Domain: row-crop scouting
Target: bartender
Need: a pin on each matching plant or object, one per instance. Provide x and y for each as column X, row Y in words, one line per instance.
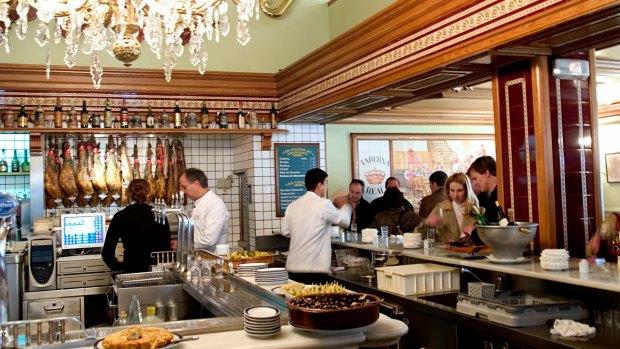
column 308, row 222
column 135, row 225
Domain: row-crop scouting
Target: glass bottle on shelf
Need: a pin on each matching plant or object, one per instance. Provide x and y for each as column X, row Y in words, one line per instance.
column 124, row 116
column 274, row 116
column 22, row 117
column 241, row 119
column 3, row 164
column 223, row 119
column 150, row 119
column 9, row 119
column 73, row 121
column 58, row 114
column 25, row 164
column 204, row 113
column 39, row 117
column 15, row 162
column 164, row 120
column 150, row 317
column 108, row 119
column 178, row 118
column 84, row 116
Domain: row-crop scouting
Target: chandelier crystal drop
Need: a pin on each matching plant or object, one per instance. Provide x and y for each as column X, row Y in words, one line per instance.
column 93, row 27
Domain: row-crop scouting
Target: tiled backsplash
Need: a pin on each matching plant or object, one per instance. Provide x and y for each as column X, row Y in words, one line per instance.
column 15, row 184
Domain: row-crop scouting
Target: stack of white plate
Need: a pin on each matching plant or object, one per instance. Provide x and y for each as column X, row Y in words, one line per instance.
column 554, row 259
column 261, row 321
column 271, row 276
column 369, row 235
column 412, row 240
column 247, row 269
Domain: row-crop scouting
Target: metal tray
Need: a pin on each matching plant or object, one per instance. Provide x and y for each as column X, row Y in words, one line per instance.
column 153, row 278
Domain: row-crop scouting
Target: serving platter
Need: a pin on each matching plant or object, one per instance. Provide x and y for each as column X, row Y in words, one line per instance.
column 492, row 259
column 176, row 340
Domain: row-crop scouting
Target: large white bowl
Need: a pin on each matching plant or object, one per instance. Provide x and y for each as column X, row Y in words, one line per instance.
column 507, row 242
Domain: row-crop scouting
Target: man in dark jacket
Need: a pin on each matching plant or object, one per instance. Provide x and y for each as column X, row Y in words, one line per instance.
column 379, row 204
column 483, row 174
column 438, row 194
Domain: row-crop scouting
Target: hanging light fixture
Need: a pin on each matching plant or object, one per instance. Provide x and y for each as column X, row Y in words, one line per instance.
column 119, row 26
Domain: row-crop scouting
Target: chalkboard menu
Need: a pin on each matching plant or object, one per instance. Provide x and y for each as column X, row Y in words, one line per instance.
column 293, row 160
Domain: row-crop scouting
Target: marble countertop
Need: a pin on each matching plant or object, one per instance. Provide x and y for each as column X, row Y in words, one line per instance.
column 604, row 276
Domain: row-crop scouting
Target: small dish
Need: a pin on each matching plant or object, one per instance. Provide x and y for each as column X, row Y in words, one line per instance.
column 261, row 312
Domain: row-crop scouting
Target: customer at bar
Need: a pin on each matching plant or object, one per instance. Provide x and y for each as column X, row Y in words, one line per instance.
column 136, row 227
column 437, row 181
column 308, row 222
column 453, row 217
column 210, row 214
column 379, row 205
column 395, row 217
column 483, row 174
column 361, row 215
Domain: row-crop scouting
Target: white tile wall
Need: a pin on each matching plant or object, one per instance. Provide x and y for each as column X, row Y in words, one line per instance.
column 18, row 185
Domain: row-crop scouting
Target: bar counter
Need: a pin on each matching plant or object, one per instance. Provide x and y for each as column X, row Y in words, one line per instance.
column 436, row 323
column 603, row 277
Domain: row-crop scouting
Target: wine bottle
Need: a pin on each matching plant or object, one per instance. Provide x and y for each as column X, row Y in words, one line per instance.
column 479, row 216
column 511, row 216
column 274, row 116
column 178, row 118
column 108, row 119
column 503, row 219
column 204, row 113
column 15, row 162
column 22, row 117
column 84, row 116
column 124, row 116
column 223, row 119
column 73, row 121
column 25, row 164
column 241, row 119
column 58, row 114
column 150, row 119
column 4, row 167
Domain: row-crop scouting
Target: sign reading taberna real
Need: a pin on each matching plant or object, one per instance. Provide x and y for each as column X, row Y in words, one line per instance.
column 8, row 205
column 292, row 161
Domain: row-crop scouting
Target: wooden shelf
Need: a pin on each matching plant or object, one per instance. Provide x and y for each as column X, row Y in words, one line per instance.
column 265, row 133
column 14, row 173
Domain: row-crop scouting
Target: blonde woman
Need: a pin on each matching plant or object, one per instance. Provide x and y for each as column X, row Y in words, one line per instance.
column 453, row 217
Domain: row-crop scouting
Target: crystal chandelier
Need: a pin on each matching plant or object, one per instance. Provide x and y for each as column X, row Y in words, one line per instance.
column 118, row 26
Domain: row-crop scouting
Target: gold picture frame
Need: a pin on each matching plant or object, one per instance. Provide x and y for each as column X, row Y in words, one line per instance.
column 412, row 158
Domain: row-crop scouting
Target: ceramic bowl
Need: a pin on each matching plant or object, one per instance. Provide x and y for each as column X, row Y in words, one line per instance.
column 304, row 312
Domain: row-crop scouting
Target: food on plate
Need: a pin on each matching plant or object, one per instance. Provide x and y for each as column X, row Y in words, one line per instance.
column 331, row 301
column 295, row 289
column 248, row 255
column 138, row 337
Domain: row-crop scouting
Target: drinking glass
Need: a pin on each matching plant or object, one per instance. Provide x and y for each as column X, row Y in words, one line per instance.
column 384, row 231
column 205, row 272
column 354, row 228
column 430, row 236
column 218, row 268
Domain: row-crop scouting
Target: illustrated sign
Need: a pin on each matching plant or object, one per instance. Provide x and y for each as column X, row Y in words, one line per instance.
column 373, row 166
column 292, row 161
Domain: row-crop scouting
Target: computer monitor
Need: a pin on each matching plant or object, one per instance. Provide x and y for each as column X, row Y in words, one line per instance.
column 82, row 230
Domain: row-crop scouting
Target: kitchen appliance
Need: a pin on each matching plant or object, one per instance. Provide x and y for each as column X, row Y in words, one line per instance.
column 42, row 262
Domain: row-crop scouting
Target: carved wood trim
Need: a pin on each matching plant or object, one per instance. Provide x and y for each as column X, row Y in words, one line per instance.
column 17, row 77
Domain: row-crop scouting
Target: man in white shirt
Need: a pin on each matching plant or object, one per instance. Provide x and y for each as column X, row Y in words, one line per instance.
column 210, row 214
column 308, row 221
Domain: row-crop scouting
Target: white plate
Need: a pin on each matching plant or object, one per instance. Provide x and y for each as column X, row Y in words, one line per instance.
column 251, row 265
column 261, row 335
column 261, row 312
column 271, row 270
column 492, row 259
column 99, row 344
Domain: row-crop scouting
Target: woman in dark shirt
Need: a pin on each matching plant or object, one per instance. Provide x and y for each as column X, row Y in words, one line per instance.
column 135, row 225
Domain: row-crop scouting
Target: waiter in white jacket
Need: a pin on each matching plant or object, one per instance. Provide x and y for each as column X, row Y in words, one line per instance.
column 308, row 221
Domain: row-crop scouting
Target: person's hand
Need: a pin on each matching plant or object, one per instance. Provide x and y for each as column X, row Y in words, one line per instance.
column 433, row 220
column 595, row 243
column 469, row 229
column 341, row 201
